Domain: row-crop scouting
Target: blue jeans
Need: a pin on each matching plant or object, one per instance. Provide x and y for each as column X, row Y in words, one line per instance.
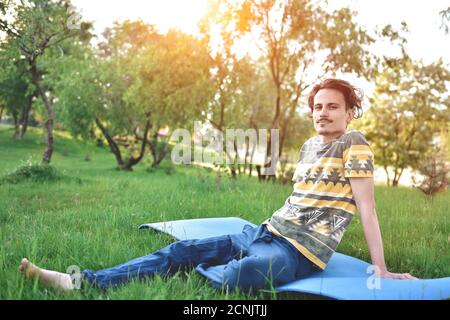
column 251, row 260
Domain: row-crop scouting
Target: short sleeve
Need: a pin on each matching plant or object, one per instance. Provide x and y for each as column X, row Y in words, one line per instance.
column 300, row 166
column 296, row 174
column 358, row 156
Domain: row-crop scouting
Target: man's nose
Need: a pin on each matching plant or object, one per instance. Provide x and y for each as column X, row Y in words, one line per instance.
column 323, row 113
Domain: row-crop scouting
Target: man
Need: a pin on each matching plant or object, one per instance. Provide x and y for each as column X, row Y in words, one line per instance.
column 334, row 177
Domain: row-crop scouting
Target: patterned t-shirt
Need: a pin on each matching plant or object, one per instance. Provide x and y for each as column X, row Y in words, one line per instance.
column 317, row 213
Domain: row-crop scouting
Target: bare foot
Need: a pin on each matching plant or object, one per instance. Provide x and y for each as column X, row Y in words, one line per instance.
column 57, row 280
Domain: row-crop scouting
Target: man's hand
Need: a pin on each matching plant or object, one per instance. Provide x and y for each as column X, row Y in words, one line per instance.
column 391, row 275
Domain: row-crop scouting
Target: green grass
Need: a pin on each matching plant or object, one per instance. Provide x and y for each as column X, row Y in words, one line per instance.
column 91, row 220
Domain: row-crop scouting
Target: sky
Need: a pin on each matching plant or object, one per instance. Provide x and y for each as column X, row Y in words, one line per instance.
column 164, row 13
column 426, row 40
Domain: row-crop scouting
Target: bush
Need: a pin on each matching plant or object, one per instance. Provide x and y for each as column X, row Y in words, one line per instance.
column 435, row 170
column 32, row 171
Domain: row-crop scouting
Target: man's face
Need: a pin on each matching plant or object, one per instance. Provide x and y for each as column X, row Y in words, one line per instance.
column 329, row 114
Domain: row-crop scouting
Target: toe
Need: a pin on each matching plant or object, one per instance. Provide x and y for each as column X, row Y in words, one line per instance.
column 23, row 265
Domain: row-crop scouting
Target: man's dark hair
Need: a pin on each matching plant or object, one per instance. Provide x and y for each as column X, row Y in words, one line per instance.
column 353, row 95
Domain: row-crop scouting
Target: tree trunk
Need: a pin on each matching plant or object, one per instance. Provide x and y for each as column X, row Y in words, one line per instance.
column 285, row 125
column 16, row 126
column 247, row 153
column 397, row 176
column 50, row 116
column 232, row 166
column 25, row 117
column 252, row 155
column 2, row 108
column 275, row 125
column 153, row 143
column 159, row 159
column 112, row 144
column 272, row 163
column 228, row 155
column 114, row 147
column 258, row 170
column 236, row 157
column 158, row 156
column 133, row 161
column 387, row 176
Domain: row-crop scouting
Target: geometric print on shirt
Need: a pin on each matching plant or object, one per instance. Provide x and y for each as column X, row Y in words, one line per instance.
column 316, row 215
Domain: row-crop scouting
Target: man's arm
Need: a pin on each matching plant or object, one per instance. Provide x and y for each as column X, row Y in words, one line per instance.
column 363, row 192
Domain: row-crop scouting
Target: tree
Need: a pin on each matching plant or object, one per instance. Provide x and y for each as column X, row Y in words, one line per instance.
column 435, row 170
column 231, row 79
column 2, row 108
column 256, row 96
column 16, row 91
column 409, row 108
column 78, row 90
column 290, row 35
column 138, row 82
column 88, row 97
column 34, row 26
column 171, row 83
column 445, row 16
column 90, row 89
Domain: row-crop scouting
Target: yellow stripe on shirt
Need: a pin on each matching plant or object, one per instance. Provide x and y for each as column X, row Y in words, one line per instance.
column 351, row 208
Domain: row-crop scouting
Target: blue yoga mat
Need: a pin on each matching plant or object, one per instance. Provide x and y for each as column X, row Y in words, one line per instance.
column 345, row 277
